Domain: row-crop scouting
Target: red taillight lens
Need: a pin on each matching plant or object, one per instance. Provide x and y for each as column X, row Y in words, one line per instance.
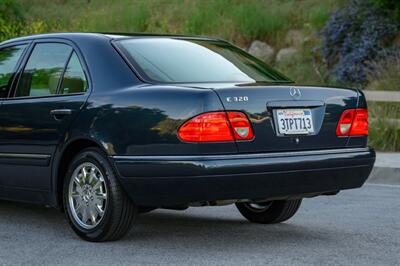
column 207, row 127
column 360, row 123
column 353, row 122
column 216, row 127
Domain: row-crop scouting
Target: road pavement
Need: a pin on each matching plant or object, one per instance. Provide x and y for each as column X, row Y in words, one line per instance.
column 356, row 227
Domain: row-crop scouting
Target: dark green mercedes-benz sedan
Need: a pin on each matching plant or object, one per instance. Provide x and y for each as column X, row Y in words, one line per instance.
column 107, row 126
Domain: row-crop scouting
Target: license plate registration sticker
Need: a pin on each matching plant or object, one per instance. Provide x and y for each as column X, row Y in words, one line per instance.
column 295, row 121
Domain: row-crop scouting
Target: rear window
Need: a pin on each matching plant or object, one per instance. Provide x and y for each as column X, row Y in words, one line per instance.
column 170, row 60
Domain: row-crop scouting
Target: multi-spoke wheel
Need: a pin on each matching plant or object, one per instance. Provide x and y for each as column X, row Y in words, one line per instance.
column 270, row 211
column 87, row 195
column 96, row 205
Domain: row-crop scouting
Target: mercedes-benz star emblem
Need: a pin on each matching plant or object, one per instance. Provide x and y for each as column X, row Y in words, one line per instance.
column 295, row 92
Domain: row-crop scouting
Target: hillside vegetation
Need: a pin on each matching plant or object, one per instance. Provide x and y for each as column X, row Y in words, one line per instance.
column 235, row 20
column 352, row 43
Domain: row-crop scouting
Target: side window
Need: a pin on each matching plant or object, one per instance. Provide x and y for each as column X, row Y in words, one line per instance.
column 8, row 62
column 43, row 70
column 74, row 80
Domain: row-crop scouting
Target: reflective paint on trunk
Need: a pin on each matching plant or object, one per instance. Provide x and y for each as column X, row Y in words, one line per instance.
column 325, row 106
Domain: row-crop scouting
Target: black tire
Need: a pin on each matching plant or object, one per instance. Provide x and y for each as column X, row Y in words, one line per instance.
column 119, row 211
column 270, row 212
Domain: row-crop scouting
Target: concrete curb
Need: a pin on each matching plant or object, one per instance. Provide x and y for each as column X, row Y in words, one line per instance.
column 387, row 169
column 385, row 175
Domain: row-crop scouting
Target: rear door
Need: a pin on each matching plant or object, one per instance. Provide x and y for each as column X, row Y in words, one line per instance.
column 51, row 89
column 316, row 110
column 10, row 58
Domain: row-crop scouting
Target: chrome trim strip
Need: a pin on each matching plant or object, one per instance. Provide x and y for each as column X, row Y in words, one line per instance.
column 237, row 156
column 24, row 156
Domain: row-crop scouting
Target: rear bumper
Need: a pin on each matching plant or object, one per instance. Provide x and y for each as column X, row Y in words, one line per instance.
column 170, row 180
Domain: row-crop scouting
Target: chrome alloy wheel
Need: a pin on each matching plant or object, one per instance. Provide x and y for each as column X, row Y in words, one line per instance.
column 87, row 195
column 259, row 206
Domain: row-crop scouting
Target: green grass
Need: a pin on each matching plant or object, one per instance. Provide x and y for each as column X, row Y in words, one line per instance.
column 318, row 16
column 384, row 137
column 257, row 23
column 231, row 19
column 384, row 110
column 386, row 75
column 384, row 129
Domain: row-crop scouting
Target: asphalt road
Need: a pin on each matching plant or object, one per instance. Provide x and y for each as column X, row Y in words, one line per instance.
column 357, row 227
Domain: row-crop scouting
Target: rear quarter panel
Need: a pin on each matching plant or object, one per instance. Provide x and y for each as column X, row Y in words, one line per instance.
column 143, row 120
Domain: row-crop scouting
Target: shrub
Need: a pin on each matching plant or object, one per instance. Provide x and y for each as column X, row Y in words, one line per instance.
column 13, row 24
column 392, row 5
column 11, row 21
column 355, row 36
column 10, row 11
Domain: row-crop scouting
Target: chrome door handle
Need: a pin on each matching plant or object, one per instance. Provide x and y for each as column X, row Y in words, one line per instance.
column 60, row 113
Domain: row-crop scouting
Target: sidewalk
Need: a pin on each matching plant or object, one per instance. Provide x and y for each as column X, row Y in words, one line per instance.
column 387, row 168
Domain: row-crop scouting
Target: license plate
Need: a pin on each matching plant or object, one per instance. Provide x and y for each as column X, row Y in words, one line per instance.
column 294, row 121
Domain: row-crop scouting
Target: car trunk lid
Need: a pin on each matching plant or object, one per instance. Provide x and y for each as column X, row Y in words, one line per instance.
column 264, row 105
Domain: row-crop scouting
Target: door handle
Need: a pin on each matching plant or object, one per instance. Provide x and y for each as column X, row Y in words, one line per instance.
column 60, row 113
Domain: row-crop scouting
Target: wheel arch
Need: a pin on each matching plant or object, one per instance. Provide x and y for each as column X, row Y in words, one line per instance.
column 61, row 162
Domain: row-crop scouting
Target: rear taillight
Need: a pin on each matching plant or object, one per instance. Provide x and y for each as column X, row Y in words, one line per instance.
column 241, row 126
column 360, row 123
column 353, row 122
column 207, row 127
column 216, row 127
